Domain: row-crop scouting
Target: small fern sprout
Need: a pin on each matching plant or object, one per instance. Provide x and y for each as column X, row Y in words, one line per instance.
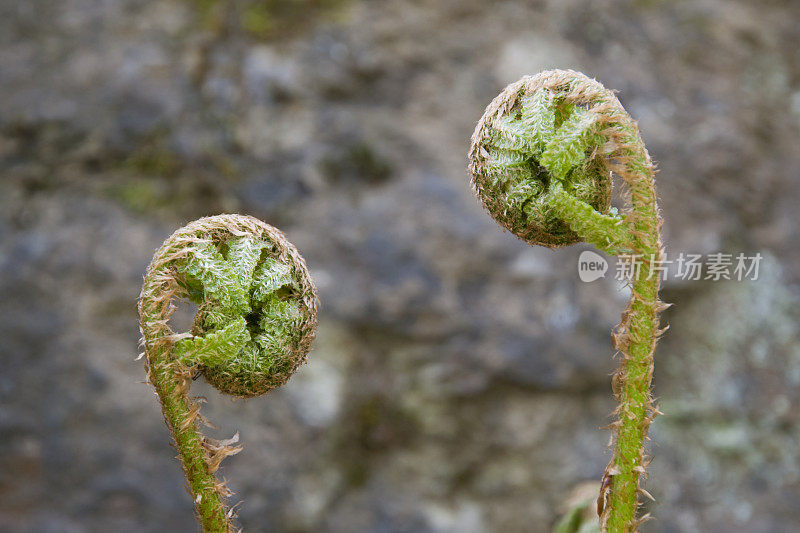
column 256, row 319
column 542, row 160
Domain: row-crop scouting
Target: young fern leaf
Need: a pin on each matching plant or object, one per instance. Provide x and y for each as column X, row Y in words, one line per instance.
column 577, row 135
column 568, row 145
column 215, row 347
column 538, row 118
column 244, row 254
column 511, row 135
column 256, row 320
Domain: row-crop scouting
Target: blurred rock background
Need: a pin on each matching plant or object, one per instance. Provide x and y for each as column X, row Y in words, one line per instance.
column 459, row 377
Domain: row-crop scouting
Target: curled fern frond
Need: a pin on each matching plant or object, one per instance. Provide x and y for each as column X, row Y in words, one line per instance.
column 256, row 319
column 542, row 160
column 538, row 140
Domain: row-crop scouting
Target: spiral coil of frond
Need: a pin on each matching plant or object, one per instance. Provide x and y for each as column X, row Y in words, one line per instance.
column 542, row 160
column 256, row 320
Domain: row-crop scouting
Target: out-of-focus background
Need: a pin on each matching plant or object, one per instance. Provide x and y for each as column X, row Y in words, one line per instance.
column 460, row 377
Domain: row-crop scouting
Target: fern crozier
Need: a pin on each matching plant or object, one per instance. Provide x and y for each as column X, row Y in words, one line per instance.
column 542, row 160
column 256, row 319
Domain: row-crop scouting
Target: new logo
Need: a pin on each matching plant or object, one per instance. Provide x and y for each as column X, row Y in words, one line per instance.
column 591, row 266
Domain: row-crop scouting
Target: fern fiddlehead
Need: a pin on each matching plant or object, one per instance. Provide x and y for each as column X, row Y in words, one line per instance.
column 256, row 319
column 542, row 160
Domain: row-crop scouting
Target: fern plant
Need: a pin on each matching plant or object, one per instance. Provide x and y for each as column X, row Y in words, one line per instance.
column 542, row 160
column 256, row 319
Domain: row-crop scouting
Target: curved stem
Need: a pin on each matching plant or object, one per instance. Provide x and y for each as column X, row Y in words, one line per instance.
column 636, row 342
column 636, row 339
column 638, row 331
column 189, row 444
